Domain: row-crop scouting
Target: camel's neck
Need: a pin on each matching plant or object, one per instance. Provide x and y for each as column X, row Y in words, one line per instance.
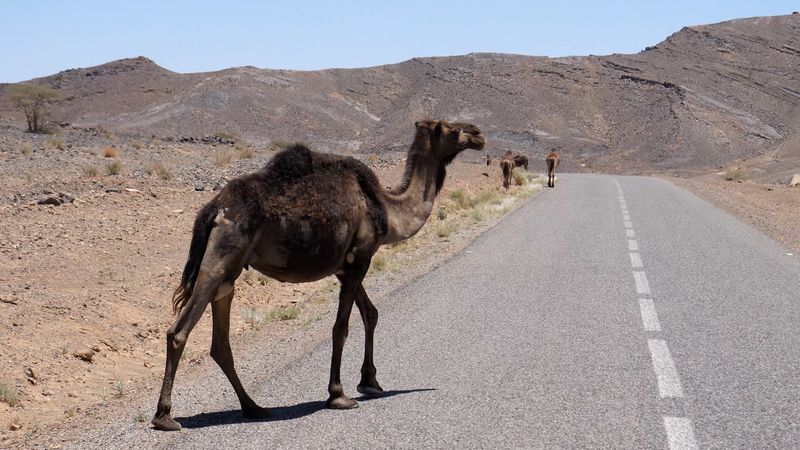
column 408, row 207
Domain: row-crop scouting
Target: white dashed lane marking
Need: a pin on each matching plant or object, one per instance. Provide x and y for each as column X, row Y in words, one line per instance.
column 636, row 261
column 642, row 286
column 680, row 433
column 649, row 316
column 669, row 385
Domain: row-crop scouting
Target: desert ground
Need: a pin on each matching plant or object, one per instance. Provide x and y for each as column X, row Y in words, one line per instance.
column 87, row 284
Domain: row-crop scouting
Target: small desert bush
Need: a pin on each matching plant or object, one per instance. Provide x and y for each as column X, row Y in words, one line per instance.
column 441, row 214
column 382, row 262
column 9, row 394
column 110, row 152
column 737, row 174
column 222, row 158
column 519, row 179
column 284, row 313
column 120, row 390
column 477, row 214
column 137, row 145
column 460, row 199
column 486, row 197
column 445, row 229
column 159, row 169
column 254, row 317
column 244, row 151
column 57, row 143
column 114, row 168
column 25, row 148
column 89, row 170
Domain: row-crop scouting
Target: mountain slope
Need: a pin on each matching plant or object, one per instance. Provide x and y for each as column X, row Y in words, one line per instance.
column 705, row 97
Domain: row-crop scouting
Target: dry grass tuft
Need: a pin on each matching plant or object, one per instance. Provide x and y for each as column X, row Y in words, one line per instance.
column 222, row 158
column 57, row 143
column 460, row 199
column 244, row 151
column 284, row 313
column 9, row 394
column 89, row 170
column 737, row 174
column 445, row 229
column 114, row 168
column 159, row 169
column 110, row 152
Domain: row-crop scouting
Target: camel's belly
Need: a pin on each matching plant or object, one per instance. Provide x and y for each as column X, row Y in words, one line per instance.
column 301, row 252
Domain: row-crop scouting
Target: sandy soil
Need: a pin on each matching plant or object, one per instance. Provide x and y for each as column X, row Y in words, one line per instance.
column 86, row 286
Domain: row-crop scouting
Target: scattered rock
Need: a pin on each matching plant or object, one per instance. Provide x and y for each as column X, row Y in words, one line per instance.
column 132, row 190
column 147, row 364
column 85, row 354
column 56, row 200
column 72, row 394
column 795, row 180
column 199, row 187
column 32, row 378
column 49, row 200
column 14, row 426
column 48, row 393
column 217, row 187
column 10, row 301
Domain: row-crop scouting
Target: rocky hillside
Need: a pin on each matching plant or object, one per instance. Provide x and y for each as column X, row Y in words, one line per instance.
column 705, row 97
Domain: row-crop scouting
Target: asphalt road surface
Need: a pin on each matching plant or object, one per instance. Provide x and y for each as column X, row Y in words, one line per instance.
column 609, row 312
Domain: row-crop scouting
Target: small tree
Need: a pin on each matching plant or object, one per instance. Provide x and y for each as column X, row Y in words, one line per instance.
column 31, row 98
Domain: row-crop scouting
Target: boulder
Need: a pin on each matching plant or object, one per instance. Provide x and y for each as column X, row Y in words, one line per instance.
column 795, row 180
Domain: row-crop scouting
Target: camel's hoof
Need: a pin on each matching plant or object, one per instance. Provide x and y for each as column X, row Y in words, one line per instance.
column 165, row 423
column 369, row 390
column 256, row 412
column 342, row 402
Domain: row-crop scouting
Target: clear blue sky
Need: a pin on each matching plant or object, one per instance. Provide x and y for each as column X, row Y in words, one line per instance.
column 43, row 37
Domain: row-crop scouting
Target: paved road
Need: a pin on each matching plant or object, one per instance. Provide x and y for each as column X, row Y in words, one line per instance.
column 611, row 312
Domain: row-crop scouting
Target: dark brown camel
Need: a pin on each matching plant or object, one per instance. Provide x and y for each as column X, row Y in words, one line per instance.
column 303, row 217
column 507, row 166
column 552, row 161
column 521, row 161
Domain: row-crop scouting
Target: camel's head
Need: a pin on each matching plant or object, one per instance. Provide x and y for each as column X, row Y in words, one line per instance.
column 446, row 140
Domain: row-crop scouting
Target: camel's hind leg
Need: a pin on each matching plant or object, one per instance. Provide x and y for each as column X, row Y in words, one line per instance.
column 221, row 352
column 220, row 267
column 369, row 315
column 176, row 342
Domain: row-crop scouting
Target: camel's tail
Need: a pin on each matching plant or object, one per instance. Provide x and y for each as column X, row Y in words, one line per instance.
column 203, row 224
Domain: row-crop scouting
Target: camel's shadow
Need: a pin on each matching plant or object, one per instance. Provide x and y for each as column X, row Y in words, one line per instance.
column 279, row 413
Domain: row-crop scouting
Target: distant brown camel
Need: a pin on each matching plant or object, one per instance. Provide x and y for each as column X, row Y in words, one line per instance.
column 303, row 217
column 507, row 166
column 552, row 161
column 521, row 160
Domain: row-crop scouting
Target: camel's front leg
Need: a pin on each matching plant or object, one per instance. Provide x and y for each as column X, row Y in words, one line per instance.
column 350, row 284
column 369, row 315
